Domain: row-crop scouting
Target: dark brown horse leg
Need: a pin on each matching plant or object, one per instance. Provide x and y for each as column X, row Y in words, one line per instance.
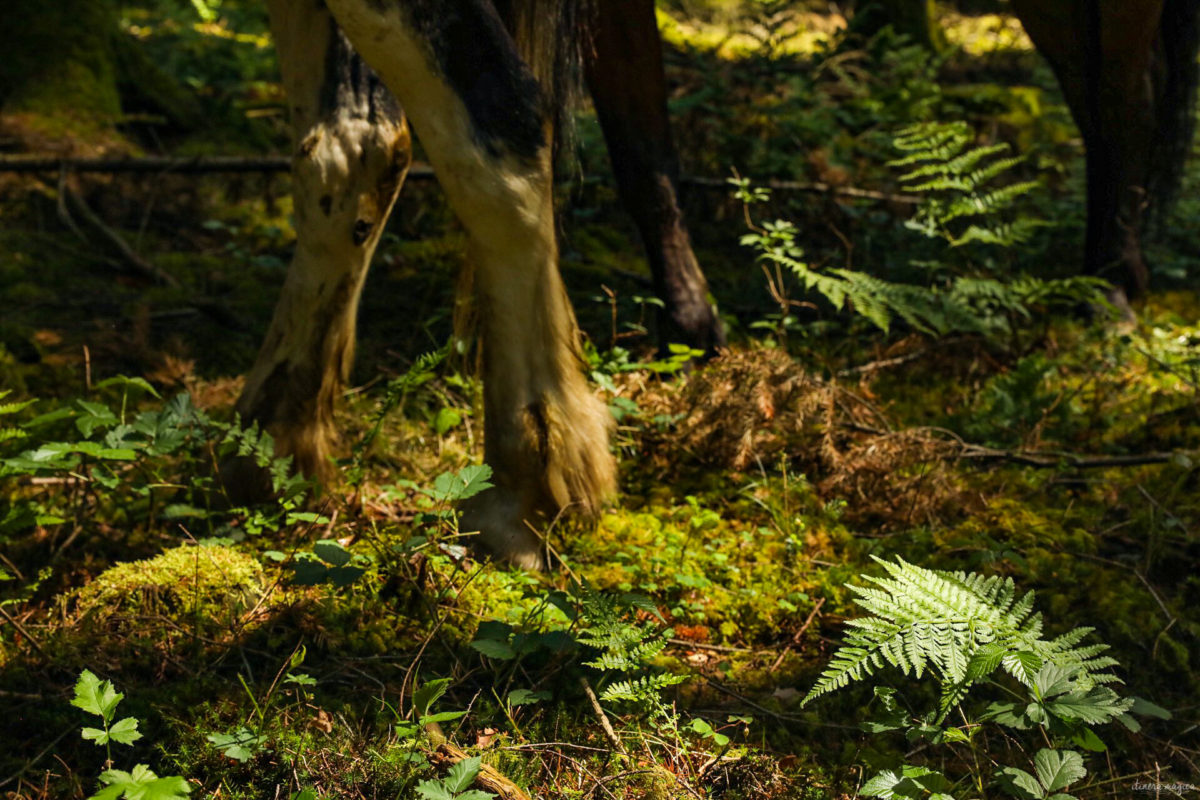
column 625, row 75
column 1101, row 52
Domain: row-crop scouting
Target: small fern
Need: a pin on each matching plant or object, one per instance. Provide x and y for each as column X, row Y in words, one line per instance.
column 958, row 182
column 961, row 628
column 625, row 646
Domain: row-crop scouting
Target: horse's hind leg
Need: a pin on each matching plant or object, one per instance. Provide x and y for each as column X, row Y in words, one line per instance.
column 482, row 121
column 352, row 152
column 624, row 68
column 1101, row 51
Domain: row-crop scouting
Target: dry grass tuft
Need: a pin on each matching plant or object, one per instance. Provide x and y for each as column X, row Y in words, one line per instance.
column 756, row 408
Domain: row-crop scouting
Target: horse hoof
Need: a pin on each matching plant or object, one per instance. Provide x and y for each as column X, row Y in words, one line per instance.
column 503, row 532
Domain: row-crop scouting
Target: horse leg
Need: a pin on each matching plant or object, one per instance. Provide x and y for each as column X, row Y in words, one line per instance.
column 1127, row 121
column 1100, row 53
column 483, row 122
column 353, row 150
column 624, row 69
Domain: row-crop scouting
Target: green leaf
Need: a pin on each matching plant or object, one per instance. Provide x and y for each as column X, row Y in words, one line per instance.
column 466, row 483
column 1019, row 783
column 1148, row 709
column 462, row 774
column 442, row 716
column 524, row 697
column 447, row 419
column 910, row 782
column 241, row 745
column 96, row 696
column 434, row 790
column 1088, row 740
column 331, row 552
column 129, row 383
column 96, row 735
column 125, row 731
column 141, row 784
column 501, row 651
column 424, row 697
column 1057, row 769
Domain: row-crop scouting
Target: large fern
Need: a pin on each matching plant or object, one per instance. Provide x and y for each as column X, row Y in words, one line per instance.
column 961, row 628
column 958, row 183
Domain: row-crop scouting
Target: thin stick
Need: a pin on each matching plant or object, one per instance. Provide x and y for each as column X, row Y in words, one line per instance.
column 601, row 717
column 127, row 253
column 796, row 637
column 21, row 629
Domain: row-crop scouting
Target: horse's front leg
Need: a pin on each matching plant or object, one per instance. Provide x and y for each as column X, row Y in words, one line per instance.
column 624, row 68
column 352, row 152
column 483, row 122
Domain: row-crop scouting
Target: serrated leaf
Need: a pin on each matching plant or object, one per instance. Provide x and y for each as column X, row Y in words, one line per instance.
column 1057, row 769
column 141, row 784
column 96, row 696
column 125, row 731
column 424, row 697
column 462, row 774
column 1019, row 783
column 434, row 790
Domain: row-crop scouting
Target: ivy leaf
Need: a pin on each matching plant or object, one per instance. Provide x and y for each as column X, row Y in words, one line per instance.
column 96, row 696
column 1057, row 769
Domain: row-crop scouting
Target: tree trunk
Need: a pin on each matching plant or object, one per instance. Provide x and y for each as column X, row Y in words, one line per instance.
column 58, row 68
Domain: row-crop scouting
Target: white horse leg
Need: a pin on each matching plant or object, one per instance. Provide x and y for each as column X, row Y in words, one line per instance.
column 481, row 119
column 352, row 152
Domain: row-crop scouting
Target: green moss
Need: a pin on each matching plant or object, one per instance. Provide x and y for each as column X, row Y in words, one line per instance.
column 209, row 583
column 58, row 63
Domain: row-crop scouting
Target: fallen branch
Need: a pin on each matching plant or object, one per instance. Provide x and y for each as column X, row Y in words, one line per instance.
column 489, row 778
column 275, row 163
column 814, row 187
column 127, row 253
column 1042, row 459
column 1053, row 458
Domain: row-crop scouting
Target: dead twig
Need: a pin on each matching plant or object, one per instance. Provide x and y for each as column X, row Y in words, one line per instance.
column 602, row 718
column 489, row 778
column 812, row 615
column 127, row 253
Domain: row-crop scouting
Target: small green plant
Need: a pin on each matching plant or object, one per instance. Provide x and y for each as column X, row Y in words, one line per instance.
column 959, row 183
column 965, row 630
column 455, row 785
column 101, row 699
column 967, row 197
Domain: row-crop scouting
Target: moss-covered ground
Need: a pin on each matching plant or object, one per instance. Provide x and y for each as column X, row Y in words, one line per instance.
column 753, row 490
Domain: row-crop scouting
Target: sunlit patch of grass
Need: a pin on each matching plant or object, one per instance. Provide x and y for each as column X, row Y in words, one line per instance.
column 984, row 34
column 733, row 36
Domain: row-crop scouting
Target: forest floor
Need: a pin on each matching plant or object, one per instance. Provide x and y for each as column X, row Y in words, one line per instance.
column 291, row 649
